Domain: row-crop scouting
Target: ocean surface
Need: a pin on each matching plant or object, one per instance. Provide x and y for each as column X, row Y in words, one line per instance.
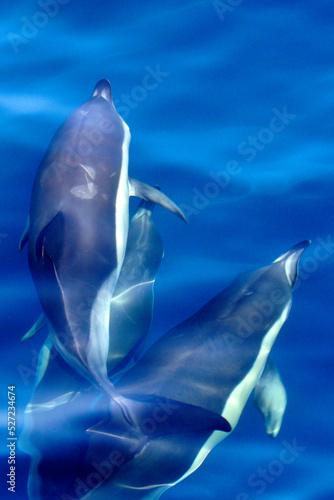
column 231, row 110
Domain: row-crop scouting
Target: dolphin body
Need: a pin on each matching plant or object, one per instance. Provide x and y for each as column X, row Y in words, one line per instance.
column 77, row 230
column 179, row 396
column 131, row 306
column 61, row 397
column 209, row 363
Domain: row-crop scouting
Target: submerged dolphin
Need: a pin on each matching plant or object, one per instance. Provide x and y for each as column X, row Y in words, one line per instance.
column 211, row 363
column 270, row 398
column 132, row 303
column 63, row 406
column 78, row 228
column 55, row 423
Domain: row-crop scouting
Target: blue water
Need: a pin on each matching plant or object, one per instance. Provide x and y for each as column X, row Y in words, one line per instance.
column 222, row 80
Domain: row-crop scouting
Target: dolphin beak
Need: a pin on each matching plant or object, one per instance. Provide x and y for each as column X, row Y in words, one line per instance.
column 291, row 260
column 103, row 89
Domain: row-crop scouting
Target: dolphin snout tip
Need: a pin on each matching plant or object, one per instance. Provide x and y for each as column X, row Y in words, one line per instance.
column 103, row 89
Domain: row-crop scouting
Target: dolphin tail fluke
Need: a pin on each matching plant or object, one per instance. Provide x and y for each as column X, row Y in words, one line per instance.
column 25, row 235
column 40, row 323
column 153, row 195
column 117, row 400
column 155, row 421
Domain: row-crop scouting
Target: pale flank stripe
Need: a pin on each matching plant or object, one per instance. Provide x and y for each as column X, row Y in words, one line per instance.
column 99, row 336
column 122, row 200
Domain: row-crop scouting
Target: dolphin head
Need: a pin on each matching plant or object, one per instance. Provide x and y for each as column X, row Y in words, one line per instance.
column 267, row 291
column 103, row 89
column 289, row 262
column 277, row 281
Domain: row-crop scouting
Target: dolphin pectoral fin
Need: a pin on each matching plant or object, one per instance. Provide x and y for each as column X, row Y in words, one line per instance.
column 149, row 193
column 25, row 235
column 270, row 398
column 40, row 323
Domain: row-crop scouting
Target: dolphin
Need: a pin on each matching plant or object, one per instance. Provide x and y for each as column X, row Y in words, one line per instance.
column 270, row 398
column 209, row 363
column 64, row 406
column 77, row 230
column 131, row 306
